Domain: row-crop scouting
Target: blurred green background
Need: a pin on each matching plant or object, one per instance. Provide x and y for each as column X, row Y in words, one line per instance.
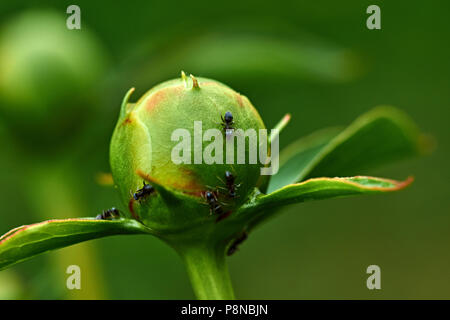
column 60, row 92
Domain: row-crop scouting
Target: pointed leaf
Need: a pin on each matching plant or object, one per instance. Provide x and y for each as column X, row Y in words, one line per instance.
column 264, row 206
column 24, row 242
column 382, row 135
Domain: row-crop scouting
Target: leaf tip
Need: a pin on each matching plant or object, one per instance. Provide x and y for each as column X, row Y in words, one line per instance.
column 406, row 183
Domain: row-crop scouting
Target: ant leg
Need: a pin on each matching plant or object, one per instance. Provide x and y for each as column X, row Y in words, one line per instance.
column 214, row 190
column 220, row 179
column 233, row 168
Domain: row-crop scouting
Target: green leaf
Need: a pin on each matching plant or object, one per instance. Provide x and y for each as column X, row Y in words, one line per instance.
column 249, row 57
column 297, row 156
column 264, row 206
column 263, row 183
column 27, row 241
column 382, row 135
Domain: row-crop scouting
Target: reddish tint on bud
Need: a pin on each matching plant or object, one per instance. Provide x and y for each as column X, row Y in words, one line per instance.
column 165, row 139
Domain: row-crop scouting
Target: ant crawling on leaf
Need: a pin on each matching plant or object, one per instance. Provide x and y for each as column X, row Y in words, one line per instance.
column 146, row 190
column 227, row 122
column 108, row 214
column 234, row 246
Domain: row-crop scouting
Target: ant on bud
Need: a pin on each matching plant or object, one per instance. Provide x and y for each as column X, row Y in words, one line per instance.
column 229, row 181
column 227, row 122
column 212, row 202
column 108, row 214
column 146, row 190
column 231, row 187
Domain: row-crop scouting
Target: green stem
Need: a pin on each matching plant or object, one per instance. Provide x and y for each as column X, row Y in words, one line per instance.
column 208, row 272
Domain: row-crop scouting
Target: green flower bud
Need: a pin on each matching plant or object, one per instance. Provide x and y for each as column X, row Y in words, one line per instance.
column 159, row 139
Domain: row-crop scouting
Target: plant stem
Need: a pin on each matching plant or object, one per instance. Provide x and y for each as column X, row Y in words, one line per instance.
column 208, row 272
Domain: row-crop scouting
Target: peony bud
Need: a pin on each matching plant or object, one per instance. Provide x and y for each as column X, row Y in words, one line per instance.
column 182, row 137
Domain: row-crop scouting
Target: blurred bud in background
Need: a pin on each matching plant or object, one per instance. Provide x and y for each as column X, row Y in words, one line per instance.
column 48, row 73
column 50, row 85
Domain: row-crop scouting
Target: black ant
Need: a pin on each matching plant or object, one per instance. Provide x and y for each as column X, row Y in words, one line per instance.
column 234, row 246
column 213, row 202
column 146, row 190
column 229, row 181
column 108, row 214
column 227, row 122
column 231, row 187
